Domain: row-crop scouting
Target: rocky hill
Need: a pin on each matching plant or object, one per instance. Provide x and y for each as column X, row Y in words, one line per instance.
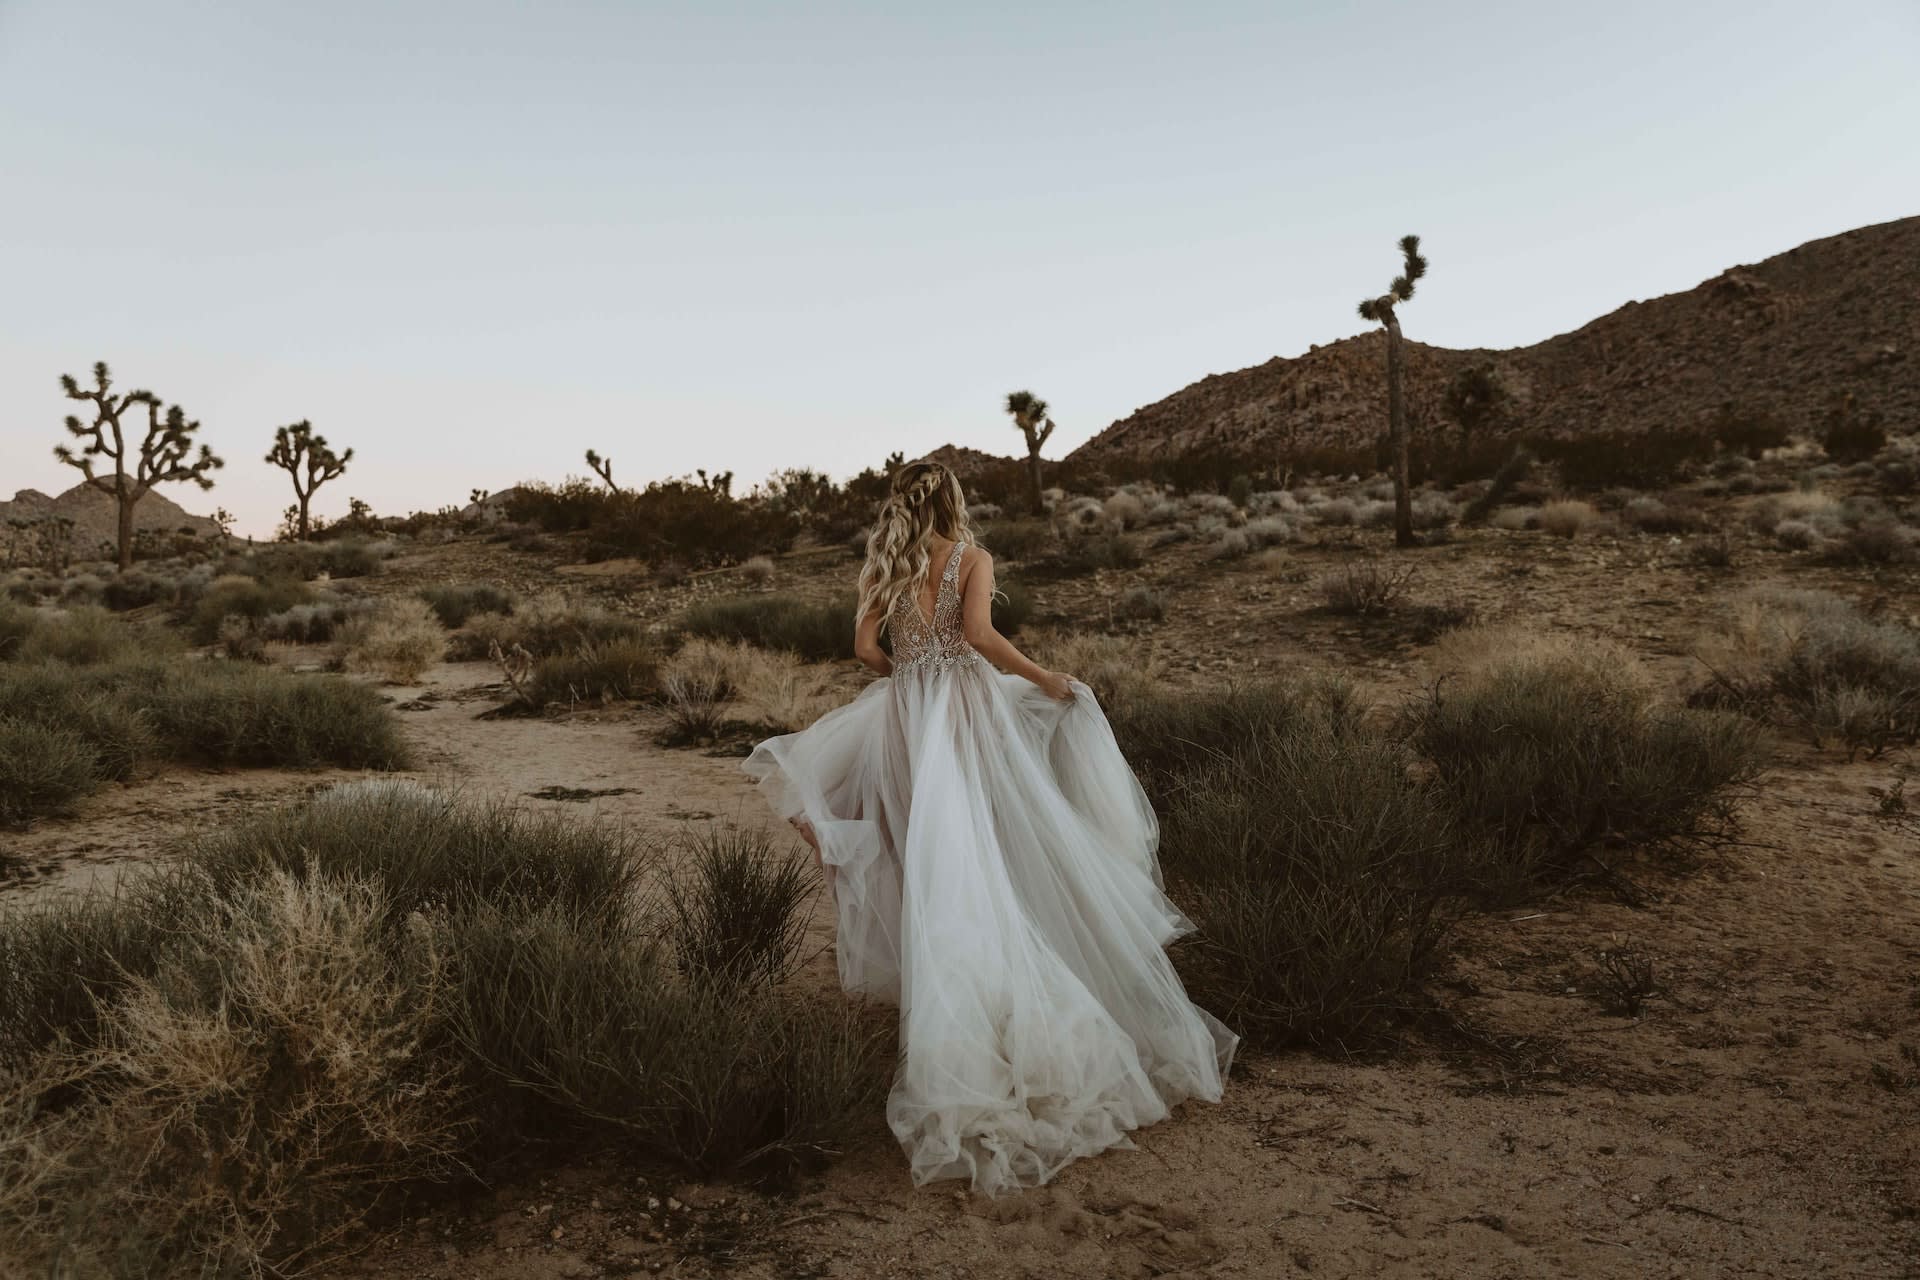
column 1779, row 337
column 95, row 518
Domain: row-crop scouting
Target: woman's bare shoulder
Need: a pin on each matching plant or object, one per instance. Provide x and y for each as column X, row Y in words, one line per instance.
column 975, row 557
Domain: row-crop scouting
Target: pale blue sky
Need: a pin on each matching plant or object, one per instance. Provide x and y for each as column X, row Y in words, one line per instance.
column 472, row 240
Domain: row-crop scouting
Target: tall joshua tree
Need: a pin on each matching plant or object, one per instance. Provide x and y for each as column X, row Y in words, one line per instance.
column 1029, row 413
column 162, row 455
column 310, row 460
column 1383, row 310
column 602, row 467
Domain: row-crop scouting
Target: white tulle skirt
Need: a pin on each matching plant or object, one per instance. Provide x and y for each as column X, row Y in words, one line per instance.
column 992, row 862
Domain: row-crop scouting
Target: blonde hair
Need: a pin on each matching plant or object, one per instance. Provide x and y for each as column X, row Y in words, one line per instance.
column 925, row 500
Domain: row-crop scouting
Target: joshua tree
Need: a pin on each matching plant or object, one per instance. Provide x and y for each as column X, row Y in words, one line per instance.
column 311, row 461
column 1029, row 413
column 1382, row 310
column 163, row 454
column 602, row 467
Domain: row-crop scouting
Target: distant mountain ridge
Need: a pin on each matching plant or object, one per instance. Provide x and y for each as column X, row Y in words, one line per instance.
column 1779, row 336
column 96, row 518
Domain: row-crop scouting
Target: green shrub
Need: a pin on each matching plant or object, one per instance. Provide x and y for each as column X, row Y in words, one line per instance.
column 817, row 631
column 1088, row 554
column 427, row 850
column 91, row 704
column 1629, row 459
column 234, row 596
column 86, row 636
column 136, row 588
column 456, row 604
column 575, row 1032
column 1017, row 539
column 1317, row 872
column 737, row 910
column 233, row 714
column 16, row 625
column 604, row 671
column 42, row 770
column 1555, row 760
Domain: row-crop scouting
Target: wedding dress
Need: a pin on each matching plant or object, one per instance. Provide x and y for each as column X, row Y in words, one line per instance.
column 994, row 872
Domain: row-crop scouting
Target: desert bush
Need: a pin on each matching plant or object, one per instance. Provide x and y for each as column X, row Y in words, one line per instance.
column 1126, row 511
column 696, row 520
column 1813, row 660
column 135, row 589
column 1850, row 432
column 1629, row 460
column 1087, row 554
column 1366, row 588
column 1876, row 539
column 1796, row 535
column 43, row 770
column 1118, row 670
column 696, row 709
column 314, row 623
column 1018, row 539
column 455, row 604
column 599, row 671
column 779, row 691
column 117, row 732
column 16, row 624
column 758, row 571
column 242, row 640
column 587, row 1033
column 1714, row 551
column 1650, row 514
column 237, row 596
column 84, row 637
column 1566, row 518
column 248, row 1099
column 83, row 590
column 1317, row 873
column 736, row 907
column 814, row 630
column 1516, row 518
column 1335, row 511
column 545, row 626
column 1140, row 604
column 398, row 640
column 233, row 714
column 1556, row 751
column 1748, row 432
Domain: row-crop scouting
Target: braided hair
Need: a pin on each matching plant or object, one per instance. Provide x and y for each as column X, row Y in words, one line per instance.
column 925, row 499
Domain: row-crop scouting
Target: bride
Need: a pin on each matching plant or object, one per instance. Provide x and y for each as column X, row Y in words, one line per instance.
column 993, row 866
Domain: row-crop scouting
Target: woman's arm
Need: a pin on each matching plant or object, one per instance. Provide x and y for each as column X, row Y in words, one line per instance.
column 866, row 644
column 976, row 620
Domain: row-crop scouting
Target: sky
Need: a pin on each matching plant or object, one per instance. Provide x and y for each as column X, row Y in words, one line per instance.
column 473, row 240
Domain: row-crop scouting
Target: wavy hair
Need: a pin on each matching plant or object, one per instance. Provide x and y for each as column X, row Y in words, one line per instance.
column 925, row 499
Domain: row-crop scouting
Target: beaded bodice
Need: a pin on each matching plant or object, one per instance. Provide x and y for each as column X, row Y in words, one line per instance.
column 936, row 644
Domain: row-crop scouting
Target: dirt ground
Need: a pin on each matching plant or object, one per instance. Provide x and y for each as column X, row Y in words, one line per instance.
column 1758, row 1120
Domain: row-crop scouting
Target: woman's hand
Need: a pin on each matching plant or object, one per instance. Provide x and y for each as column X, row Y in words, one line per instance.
column 1057, row 685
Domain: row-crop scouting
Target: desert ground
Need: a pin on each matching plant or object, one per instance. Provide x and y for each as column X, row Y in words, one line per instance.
column 1758, row 1118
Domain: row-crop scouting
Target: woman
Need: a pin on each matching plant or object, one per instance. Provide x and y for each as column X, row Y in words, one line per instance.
column 992, row 863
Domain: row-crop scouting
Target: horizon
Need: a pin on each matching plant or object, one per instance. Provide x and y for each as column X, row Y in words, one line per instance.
column 746, row 239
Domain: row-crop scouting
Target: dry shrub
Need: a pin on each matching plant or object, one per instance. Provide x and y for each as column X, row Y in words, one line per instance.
column 1815, row 661
column 816, row 630
column 1366, row 588
column 43, row 770
column 398, row 640
column 1555, row 751
column 1567, row 518
column 1125, row 511
column 778, row 691
column 758, row 571
column 548, row 625
column 84, row 637
column 1318, row 873
column 597, row 672
column 248, row 1100
column 455, row 604
column 1515, row 519
column 1118, row 670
